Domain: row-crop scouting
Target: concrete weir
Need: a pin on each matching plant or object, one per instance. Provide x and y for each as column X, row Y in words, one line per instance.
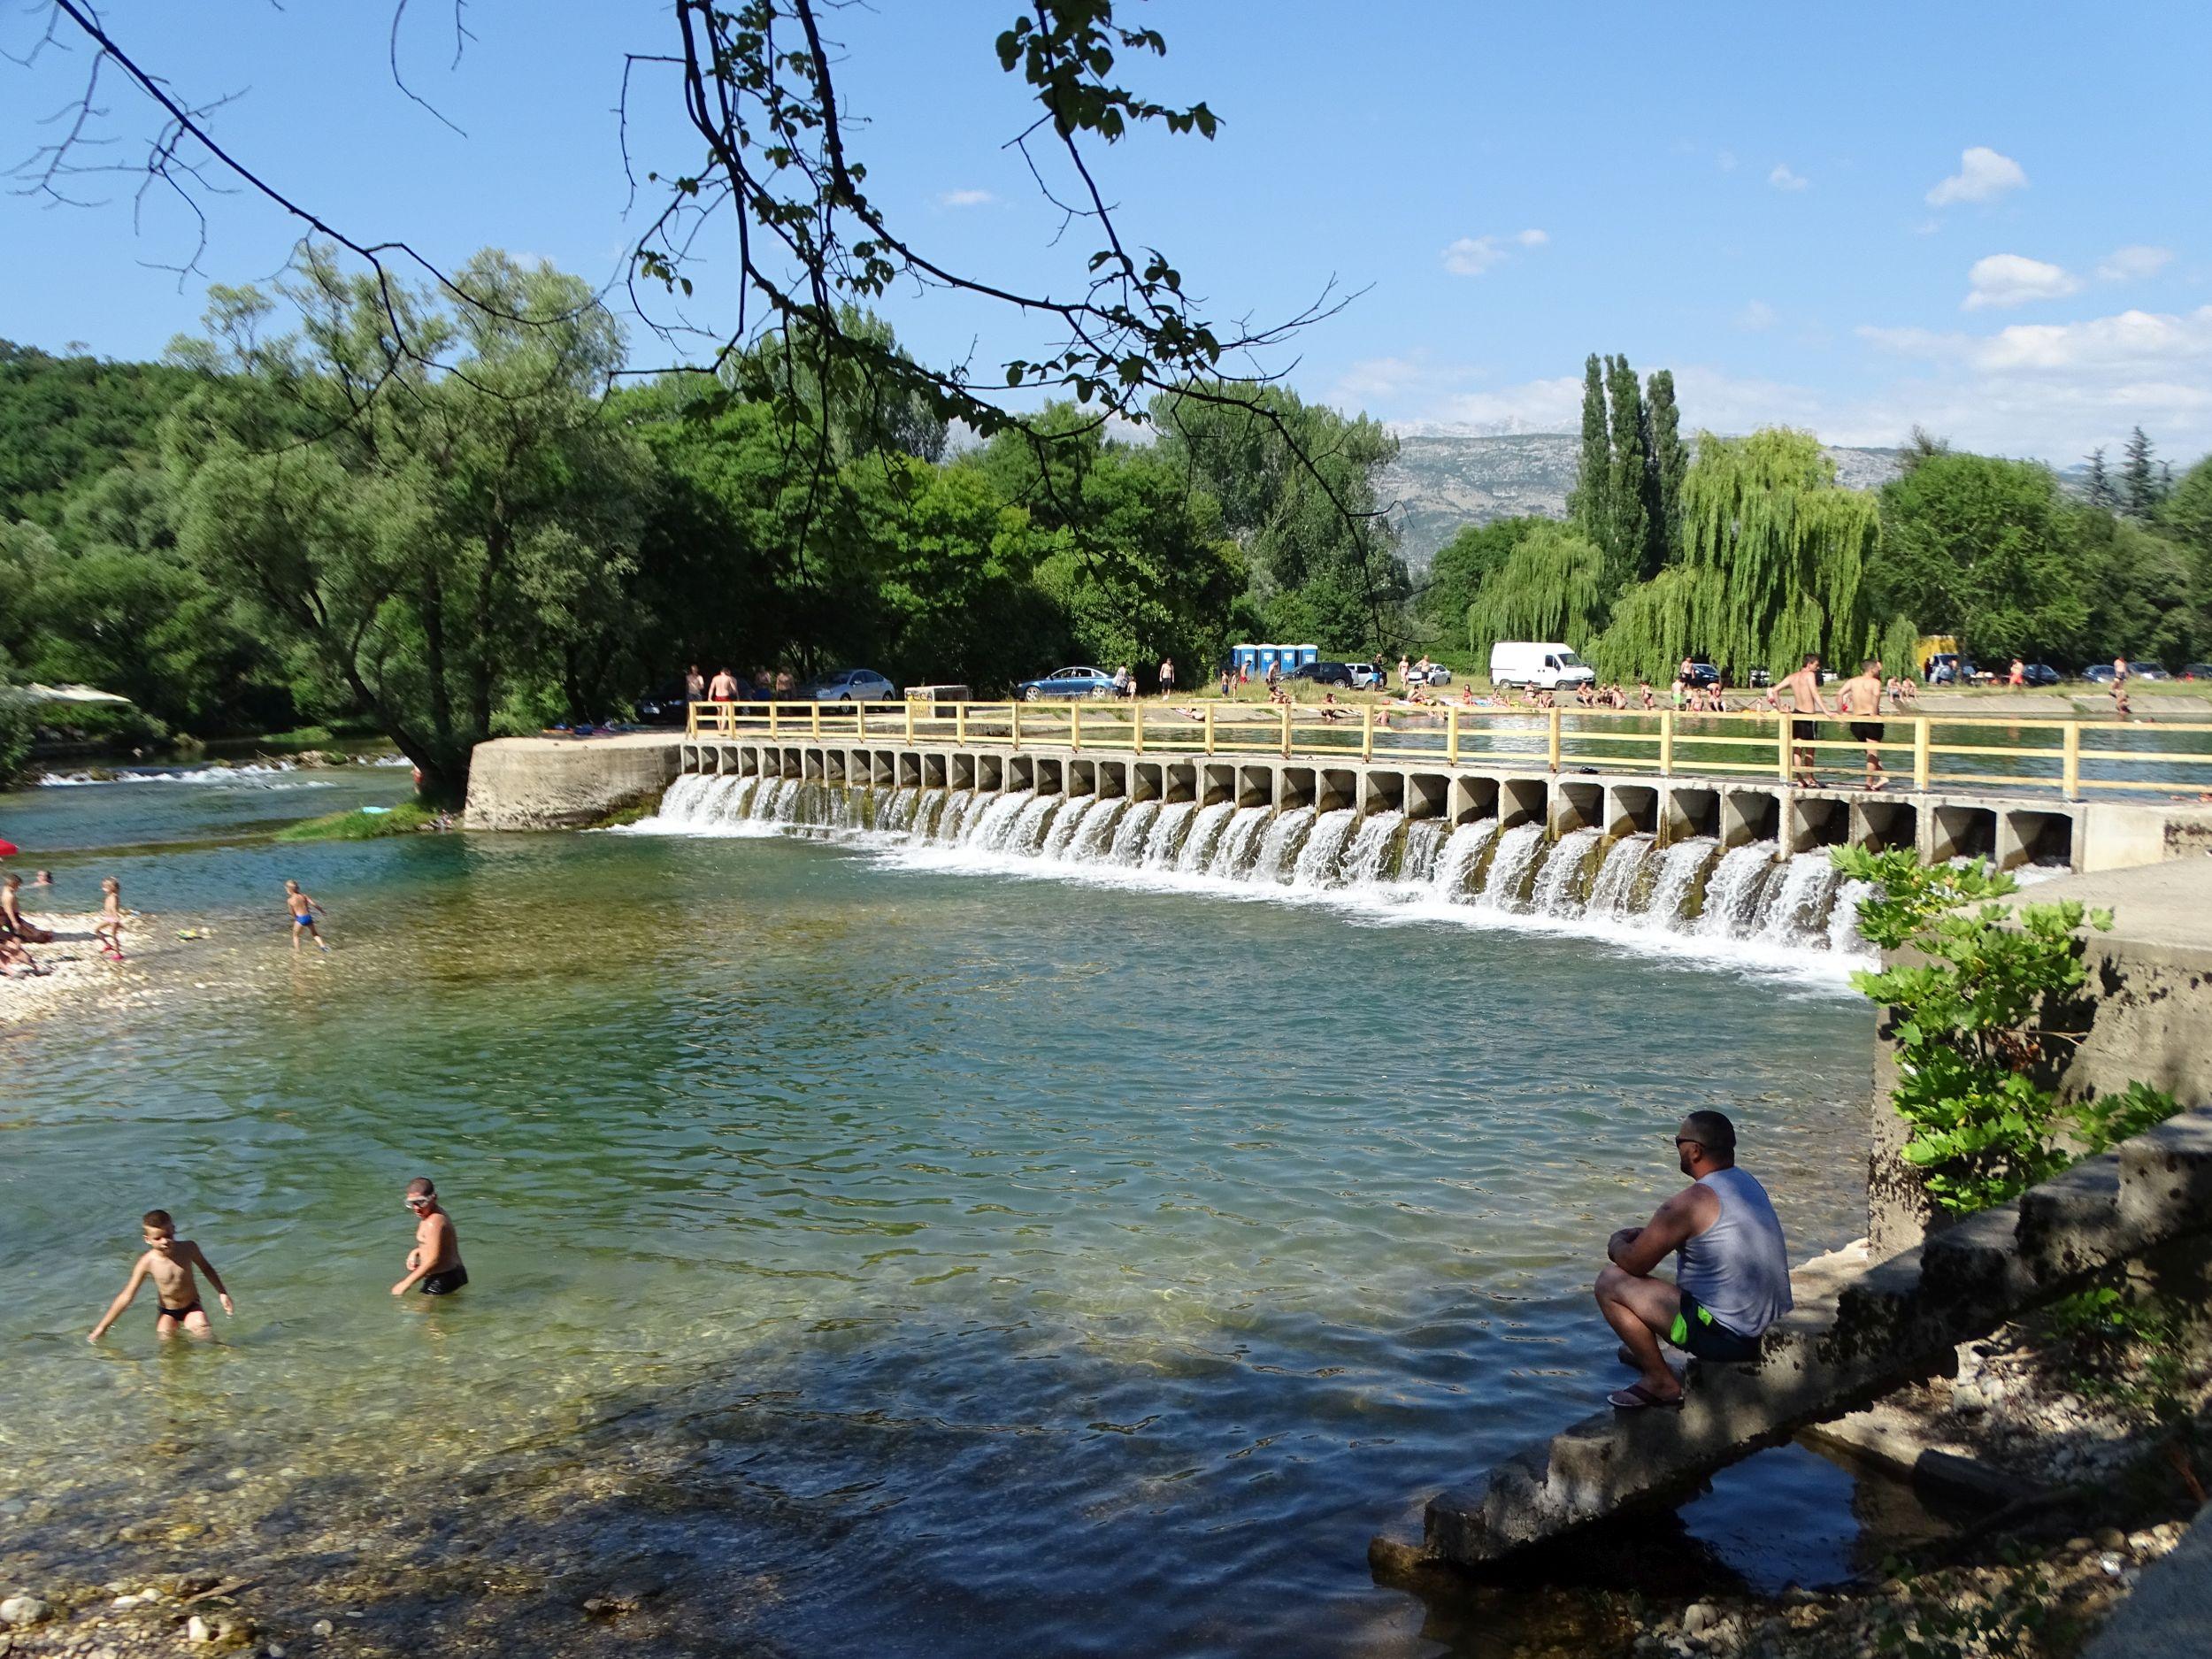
column 1856, row 1332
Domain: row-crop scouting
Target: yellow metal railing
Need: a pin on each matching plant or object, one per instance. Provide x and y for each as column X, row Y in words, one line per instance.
column 1744, row 742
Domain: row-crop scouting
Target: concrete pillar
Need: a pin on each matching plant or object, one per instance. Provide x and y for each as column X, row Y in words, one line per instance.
column 1749, row 812
column 1373, row 789
column 1472, row 799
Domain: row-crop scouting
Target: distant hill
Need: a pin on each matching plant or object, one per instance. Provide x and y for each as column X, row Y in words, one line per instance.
column 1443, row 480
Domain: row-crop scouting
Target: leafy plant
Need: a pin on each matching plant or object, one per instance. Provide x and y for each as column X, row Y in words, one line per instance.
column 1971, row 1041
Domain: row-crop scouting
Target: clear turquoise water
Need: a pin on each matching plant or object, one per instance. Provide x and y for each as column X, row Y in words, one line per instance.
column 995, row 1265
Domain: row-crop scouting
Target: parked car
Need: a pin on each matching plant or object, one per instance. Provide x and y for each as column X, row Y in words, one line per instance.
column 2197, row 670
column 1701, row 676
column 1948, row 668
column 1434, row 674
column 2098, row 674
column 849, row 685
column 1537, row 663
column 1067, row 682
column 2039, row 674
column 2147, row 670
column 1368, row 676
column 1758, row 679
column 1324, row 673
column 664, row 705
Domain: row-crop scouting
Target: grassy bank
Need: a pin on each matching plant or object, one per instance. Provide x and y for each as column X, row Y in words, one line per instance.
column 360, row 825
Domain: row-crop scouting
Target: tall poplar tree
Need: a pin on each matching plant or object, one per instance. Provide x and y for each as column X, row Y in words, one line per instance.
column 1627, row 526
column 1666, row 459
column 1586, row 505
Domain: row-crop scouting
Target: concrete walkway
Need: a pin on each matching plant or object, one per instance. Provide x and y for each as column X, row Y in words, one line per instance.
column 1854, row 1334
column 2169, row 1615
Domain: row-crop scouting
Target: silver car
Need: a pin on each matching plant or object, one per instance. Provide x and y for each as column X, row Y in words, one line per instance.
column 850, row 684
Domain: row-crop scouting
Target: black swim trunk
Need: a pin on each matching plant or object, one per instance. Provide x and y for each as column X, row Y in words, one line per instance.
column 1696, row 1331
column 1867, row 731
column 1805, row 730
column 178, row 1313
column 444, row 1284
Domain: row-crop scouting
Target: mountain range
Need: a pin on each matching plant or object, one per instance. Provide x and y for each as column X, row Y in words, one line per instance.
column 1443, row 480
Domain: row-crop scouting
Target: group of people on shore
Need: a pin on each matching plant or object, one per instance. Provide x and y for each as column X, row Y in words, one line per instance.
column 18, row 931
column 434, row 1268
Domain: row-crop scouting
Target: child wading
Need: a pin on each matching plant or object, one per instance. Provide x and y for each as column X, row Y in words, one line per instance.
column 302, row 910
column 169, row 1261
column 109, row 929
column 435, row 1264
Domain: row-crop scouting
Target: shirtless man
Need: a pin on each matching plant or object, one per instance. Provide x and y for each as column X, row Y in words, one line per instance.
column 1803, row 688
column 1860, row 698
column 12, row 915
column 435, row 1264
column 722, row 687
column 168, row 1262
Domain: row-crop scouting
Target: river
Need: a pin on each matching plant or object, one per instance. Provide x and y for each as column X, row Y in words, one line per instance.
column 868, row 1253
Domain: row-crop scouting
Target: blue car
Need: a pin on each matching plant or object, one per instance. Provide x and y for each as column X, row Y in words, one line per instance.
column 1069, row 682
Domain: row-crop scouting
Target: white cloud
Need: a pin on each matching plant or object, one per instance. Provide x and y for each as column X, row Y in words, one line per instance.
column 1472, row 256
column 1549, row 405
column 1725, row 161
column 1983, row 176
column 966, row 198
column 1783, row 179
column 2133, row 263
column 1756, row 317
column 2011, row 279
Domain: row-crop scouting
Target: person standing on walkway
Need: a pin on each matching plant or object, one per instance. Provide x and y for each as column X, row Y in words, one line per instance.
column 1167, row 676
column 724, row 686
column 694, row 686
column 1803, row 688
column 1860, row 697
column 1733, row 1279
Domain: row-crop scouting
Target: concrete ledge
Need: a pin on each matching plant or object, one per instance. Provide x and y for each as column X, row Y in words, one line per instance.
column 1856, row 1332
column 532, row 783
column 2169, row 1614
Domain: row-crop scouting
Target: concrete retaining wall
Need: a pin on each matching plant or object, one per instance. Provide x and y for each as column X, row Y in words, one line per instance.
column 2013, row 831
column 532, row 783
column 2146, row 1013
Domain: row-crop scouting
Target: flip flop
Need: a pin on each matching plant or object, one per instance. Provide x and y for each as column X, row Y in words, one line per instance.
column 1636, row 1397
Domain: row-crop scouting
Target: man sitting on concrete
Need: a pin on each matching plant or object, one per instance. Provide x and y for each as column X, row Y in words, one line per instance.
column 1733, row 1280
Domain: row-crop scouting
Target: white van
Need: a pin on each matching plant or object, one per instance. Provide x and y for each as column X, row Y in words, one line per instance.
column 1538, row 662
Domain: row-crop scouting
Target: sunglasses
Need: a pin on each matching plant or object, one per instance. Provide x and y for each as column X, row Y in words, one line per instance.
column 415, row 1203
column 1685, row 1140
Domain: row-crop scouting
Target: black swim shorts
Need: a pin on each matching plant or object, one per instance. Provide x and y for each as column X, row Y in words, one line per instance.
column 1867, row 731
column 444, row 1284
column 1805, row 730
column 1696, row 1331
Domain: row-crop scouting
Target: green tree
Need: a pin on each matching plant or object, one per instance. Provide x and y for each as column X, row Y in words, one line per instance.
column 1627, row 526
column 2186, row 516
column 1987, row 549
column 430, row 548
column 1551, row 587
column 2140, row 587
column 1667, row 459
column 2100, row 484
column 2138, row 480
column 1588, row 501
column 1459, row 569
column 1785, row 552
column 1297, row 487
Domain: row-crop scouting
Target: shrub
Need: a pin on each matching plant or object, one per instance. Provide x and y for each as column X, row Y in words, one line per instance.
column 1972, row 1044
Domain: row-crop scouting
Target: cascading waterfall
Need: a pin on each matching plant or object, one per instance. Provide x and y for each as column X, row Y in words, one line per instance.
column 1614, row 893
column 1319, row 860
column 1511, row 867
column 1560, row 883
column 1279, row 846
column 1745, row 894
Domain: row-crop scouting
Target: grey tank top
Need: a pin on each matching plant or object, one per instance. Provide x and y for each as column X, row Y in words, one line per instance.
column 1738, row 1267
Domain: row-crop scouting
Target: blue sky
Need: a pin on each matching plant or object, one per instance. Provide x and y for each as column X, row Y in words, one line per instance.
column 1991, row 221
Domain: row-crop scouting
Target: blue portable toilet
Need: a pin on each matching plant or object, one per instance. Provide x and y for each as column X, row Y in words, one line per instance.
column 1296, row 656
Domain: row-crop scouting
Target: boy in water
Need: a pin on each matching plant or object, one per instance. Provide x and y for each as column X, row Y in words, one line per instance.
column 169, row 1261
column 302, row 910
column 435, row 1264
column 109, row 929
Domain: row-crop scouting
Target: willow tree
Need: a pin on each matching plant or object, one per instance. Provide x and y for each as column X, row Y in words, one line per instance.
column 1551, row 587
column 1776, row 555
